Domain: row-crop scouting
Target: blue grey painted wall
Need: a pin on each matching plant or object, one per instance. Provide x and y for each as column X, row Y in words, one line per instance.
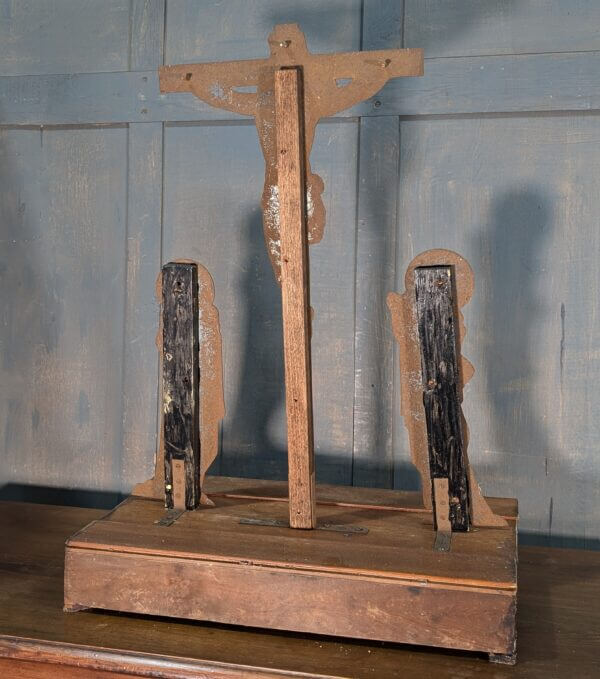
column 493, row 153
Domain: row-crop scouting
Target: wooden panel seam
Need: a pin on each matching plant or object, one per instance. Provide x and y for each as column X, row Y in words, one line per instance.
column 412, row 579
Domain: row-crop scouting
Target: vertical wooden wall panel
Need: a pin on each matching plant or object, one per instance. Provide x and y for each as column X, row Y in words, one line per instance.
column 332, row 291
column 144, row 224
column 206, row 221
column 374, row 409
column 140, row 369
column 516, row 196
column 63, row 36
column 374, row 406
column 62, row 219
column 239, row 29
column 147, row 32
column 80, row 224
column 470, row 27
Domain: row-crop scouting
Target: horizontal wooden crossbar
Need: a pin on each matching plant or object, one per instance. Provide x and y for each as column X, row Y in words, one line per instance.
column 450, row 86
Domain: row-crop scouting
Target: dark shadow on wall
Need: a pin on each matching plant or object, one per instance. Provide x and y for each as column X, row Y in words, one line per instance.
column 520, row 227
column 254, row 432
column 31, row 311
column 515, row 245
column 248, row 448
column 70, row 497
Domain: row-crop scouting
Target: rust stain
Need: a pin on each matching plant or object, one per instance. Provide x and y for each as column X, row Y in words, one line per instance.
column 404, row 324
column 332, row 83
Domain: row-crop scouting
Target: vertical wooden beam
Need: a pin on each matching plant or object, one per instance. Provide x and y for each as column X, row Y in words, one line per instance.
column 180, row 385
column 375, row 277
column 289, row 110
column 438, row 327
column 144, row 215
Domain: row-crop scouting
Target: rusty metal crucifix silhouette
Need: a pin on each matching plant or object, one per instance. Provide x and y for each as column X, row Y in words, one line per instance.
column 288, row 93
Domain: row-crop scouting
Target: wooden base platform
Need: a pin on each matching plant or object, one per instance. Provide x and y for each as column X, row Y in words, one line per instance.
column 386, row 584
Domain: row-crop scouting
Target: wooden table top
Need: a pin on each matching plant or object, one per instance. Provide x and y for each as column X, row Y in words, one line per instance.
column 558, row 623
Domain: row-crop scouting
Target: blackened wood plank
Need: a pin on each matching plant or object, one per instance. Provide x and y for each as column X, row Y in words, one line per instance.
column 180, row 380
column 437, row 321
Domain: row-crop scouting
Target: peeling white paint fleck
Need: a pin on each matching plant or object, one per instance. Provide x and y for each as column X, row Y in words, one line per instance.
column 216, row 89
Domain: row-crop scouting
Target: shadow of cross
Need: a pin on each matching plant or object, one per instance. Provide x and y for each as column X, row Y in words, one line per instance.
column 331, row 83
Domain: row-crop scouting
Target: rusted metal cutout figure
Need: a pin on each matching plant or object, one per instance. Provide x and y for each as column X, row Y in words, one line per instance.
column 331, row 83
column 287, row 94
column 428, row 387
column 211, row 404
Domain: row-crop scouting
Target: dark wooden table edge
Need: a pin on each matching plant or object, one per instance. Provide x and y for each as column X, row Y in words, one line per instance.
column 135, row 663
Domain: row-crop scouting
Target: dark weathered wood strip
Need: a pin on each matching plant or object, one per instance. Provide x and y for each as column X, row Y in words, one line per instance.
column 437, row 321
column 180, row 381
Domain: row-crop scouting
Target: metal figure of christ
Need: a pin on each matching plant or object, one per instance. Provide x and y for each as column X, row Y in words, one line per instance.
column 332, row 83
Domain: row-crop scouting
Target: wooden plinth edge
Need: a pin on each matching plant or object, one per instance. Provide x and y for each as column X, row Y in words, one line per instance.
column 206, row 566
column 127, row 663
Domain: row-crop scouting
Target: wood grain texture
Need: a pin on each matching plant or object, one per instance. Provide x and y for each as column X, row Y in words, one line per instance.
column 180, row 385
column 147, row 31
column 140, row 363
column 385, row 584
column 437, row 320
column 331, row 28
column 63, row 196
column 43, row 669
column 467, row 27
column 295, row 296
column 210, row 386
column 405, row 323
column 376, row 227
column 558, row 630
column 338, row 495
column 379, row 610
column 523, row 220
column 373, row 463
column 398, row 544
column 64, row 37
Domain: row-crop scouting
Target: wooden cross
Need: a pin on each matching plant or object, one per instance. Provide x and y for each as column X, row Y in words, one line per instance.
column 288, row 93
column 331, row 83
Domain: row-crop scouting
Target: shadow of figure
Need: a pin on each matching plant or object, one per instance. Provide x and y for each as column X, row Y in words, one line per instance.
column 250, row 446
column 254, row 440
column 515, row 315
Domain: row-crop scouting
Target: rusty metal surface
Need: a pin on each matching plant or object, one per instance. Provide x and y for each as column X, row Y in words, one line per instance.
column 332, row 83
column 212, row 403
column 404, row 323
